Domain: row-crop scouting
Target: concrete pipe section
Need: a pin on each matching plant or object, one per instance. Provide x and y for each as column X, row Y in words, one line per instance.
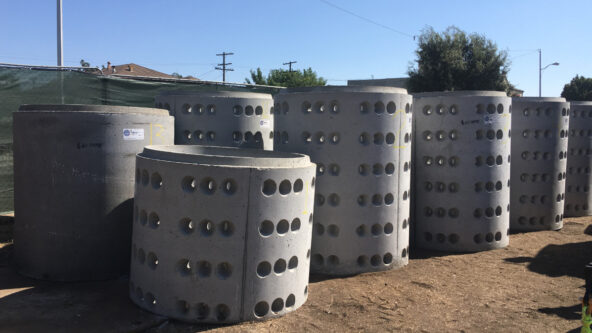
column 578, row 199
column 221, row 234
column 74, row 168
column 462, row 170
column 233, row 119
column 360, row 138
column 539, row 161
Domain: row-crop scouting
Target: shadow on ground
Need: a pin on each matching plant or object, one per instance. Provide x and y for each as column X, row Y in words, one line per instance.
column 559, row 260
column 573, row 312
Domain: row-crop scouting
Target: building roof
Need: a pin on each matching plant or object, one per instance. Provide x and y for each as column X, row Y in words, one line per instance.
column 133, row 70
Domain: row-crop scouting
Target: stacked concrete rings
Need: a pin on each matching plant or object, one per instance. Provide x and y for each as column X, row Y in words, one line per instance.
column 578, row 198
column 539, row 151
column 74, row 186
column 233, row 119
column 462, row 170
column 360, row 138
column 221, row 234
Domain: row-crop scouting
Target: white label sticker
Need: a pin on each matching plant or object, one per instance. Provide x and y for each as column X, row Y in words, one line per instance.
column 133, row 134
column 264, row 123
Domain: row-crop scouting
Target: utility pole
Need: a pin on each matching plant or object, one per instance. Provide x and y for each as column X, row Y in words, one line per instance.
column 541, row 69
column 289, row 63
column 540, row 73
column 60, row 35
column 224, row 64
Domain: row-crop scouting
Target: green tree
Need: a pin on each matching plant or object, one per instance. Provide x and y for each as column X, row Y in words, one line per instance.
column 84, row 63
column 453, row 60
column 177, row 75
column 284, row 78
column 578, row 89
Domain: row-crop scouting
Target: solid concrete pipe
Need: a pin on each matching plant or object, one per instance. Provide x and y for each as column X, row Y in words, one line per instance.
column 578, row 198
column 221, row 234
column 74, row 186
column 233, row 119
column 539, row 161
column 360, row 138
column 462, row 170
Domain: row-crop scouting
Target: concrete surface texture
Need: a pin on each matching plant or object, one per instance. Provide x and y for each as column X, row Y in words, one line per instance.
column 462, row 170
column 578, row 198
column 539, row 161
column 74, row 184
column 233, row 119
column 221, row 234
column 360, row 138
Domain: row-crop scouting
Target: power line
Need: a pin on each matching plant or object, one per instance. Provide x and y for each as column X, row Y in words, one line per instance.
column 367, row 19
column 224, row 64
column 289, row 63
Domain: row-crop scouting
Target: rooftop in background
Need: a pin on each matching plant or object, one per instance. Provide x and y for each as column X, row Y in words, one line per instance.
column 398, row 82
column 132, row 69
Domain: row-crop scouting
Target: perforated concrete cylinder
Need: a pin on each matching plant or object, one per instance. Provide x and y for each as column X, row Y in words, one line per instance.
column 578, row 199
column 74, row 168
column 360, row 138
column 462, row 170
column 539, row 151
column 221, row 234
column 233, row 119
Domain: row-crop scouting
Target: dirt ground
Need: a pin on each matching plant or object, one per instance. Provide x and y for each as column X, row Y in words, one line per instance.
column 534, row 285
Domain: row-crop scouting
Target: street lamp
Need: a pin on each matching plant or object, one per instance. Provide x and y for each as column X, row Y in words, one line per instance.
column 541, row 70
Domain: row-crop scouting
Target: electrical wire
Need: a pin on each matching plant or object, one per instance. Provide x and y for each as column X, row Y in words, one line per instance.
column 367, row 19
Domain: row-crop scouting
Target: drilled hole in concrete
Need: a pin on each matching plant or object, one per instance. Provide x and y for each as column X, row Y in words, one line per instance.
column 376, row 260
column 229, row 186
column 186, row 225
column 282, row 227
column 207, row 228
column 269, row 187
column 333, row 260
column 280, row 266
column 208, row 186
column 237, row 110
column 277, row 305
column 319, row 229
column 388, row 228
column 261, row 309
column 150, row 299
column 390, row 138
column 306, row 107
column 226, row 228
column 387, row 259
column 293, row 262
column 222, row 312
column 184, row 267
column 362, row 261
column 389, row 168
column 361, row 230
column 224, row 270
column 298, row 185
column 204, row 269
column 391, row 108
column 295, row 225
column 377, row 199
column 333, row 230
column 154, row 220
column 376, row 229
column 334, row 199
column 285, row 187
column 202, row 310
column 263, row 269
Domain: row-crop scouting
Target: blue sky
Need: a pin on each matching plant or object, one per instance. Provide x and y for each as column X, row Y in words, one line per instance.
column 185, row 35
